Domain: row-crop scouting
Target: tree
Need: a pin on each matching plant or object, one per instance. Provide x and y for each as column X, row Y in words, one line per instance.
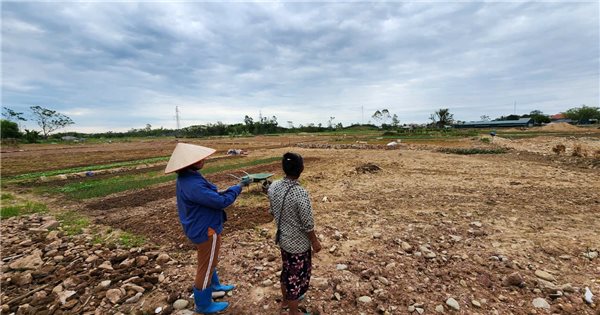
column 9, row 129
column 249, row 123
column 49, row 120
column 382, row 116
column 330, row 122
column 485, row 118
column 395, row 121
column 442, row 117
column 11, row 115
column 583, row 113
column 385, row 116
column 538, row 117
column 377, row 115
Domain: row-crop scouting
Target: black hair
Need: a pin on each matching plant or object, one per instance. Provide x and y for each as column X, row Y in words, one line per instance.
column 292, row 164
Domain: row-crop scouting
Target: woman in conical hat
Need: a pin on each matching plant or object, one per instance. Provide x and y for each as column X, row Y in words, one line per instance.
column 201, row 213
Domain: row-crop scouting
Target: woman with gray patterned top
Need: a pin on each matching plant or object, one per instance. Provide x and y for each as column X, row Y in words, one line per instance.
column 292, row 210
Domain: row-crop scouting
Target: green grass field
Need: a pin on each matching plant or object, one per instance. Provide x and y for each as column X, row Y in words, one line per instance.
column 92, row 188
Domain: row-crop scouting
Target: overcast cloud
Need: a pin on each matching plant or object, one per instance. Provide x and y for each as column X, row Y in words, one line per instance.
column 117, row 66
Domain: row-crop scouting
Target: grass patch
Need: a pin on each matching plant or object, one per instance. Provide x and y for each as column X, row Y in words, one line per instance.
column 130, row 240
column 92, row 188
column 72, row 222
column 29, row 207
column 85, row 168
column 6, row 197
column 468, row 151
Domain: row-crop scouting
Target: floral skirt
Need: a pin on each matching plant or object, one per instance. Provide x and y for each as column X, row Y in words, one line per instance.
column 295, row 274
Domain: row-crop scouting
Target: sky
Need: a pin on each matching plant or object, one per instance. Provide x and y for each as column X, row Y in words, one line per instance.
column 122, row 65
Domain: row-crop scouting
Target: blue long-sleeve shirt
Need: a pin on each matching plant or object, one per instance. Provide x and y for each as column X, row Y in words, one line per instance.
column 201, row 205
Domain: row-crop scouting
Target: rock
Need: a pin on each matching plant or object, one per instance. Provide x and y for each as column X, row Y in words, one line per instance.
column 544, row 275
column 70, row 282
column 453, row 304
column 376, row 235
column 337, row 296
column 455, row 238
column 37, row 297
column 24, row 309
column 411, row 309
column 51, row 224
column 52, row 235
column 476, row 303
column 114, row 295
column 567, row 287
column 439, row 308
column 476, row 224
column 163, row 258
column 547, row 286
column 180, row 304
column 333, row 248
column 30, row 262
column 131, row 286
column 63, row 296
column 141, row 261
column 365, row 299
column 419, row 310
column 591, row 255
column 267, row 283
column 541, row 303
column 134, row 298
column 383, row 280
column 430, row 255
column 104, row 284
column 57, row 289
column 24, row 278
column 341, row 267
column 514, row 279
column 337, row 235
column 91, row 258
column 406, row 247
column 321, row 283
column 106, row 265
column 216, row 294
column 127, row 263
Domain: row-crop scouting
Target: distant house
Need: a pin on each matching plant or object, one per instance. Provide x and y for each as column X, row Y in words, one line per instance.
column 523, row 122
column 561, row 117
column 71, row 138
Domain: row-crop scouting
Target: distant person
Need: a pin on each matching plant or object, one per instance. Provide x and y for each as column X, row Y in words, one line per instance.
column 292, row 210
column 201, row 214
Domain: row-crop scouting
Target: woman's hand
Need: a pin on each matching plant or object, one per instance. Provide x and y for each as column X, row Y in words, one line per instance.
column 316, row 245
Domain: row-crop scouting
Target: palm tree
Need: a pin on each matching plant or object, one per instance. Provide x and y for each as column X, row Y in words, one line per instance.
column 442, row 117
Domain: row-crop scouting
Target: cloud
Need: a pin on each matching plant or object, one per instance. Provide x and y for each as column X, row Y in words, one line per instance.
column 123, row 65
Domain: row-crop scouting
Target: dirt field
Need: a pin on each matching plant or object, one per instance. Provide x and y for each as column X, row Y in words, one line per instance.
column 493, row 232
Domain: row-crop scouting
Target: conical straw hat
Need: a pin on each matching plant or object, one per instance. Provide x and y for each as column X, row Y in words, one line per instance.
column 186, row 154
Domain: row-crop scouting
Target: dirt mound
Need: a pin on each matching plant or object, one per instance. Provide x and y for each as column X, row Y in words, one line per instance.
column 560, row 127
column 368, row 168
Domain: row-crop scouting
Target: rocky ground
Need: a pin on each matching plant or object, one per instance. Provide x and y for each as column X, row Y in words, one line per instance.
column 404, row 232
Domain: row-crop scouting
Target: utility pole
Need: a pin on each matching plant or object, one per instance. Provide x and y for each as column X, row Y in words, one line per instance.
column 515, row 110
column 362, row 117
column 177, row 116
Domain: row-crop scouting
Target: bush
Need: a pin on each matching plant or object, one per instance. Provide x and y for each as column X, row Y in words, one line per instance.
column 9, row 129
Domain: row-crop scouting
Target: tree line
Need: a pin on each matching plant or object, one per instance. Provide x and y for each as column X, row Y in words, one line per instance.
column 50, row 121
